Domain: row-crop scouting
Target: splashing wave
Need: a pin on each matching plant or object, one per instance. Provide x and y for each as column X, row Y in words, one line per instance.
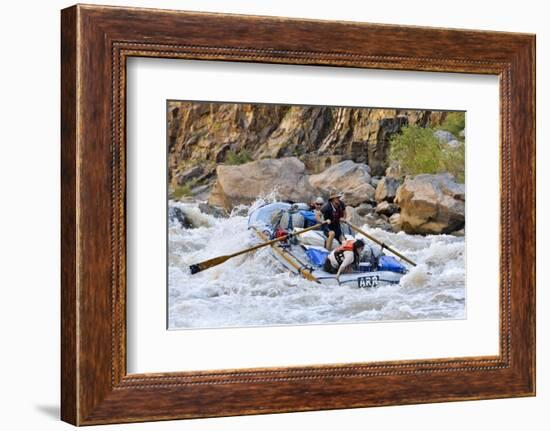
column 251, row 291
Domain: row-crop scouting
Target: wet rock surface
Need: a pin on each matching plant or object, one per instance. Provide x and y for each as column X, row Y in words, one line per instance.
column 175, row 214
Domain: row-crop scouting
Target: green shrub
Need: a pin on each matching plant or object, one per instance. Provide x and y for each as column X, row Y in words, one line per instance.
column 234, row 158
column 181, row 191
column 453, row 160
column 454, row 122
column 418, row 151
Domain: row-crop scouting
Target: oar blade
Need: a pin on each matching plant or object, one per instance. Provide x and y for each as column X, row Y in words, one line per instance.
column 201, row 266
column 198, row 267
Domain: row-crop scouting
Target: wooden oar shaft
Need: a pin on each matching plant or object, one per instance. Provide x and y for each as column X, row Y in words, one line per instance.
column 273, row 241
column 301, row 270
column 373, row 239
column 198, row 267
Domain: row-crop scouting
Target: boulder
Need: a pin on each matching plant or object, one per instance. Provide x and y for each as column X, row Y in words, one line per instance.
column 348, row 177
column 374, row 221
column 386, row 189
column 354, row 217
column 211, row 210
column 395, row 222
column 176, row 215
column 443, row 136
column 431, row 204
column 394, row 170
column 386, row 208
column 243, row 184
column 364, row 209
column 459, row 233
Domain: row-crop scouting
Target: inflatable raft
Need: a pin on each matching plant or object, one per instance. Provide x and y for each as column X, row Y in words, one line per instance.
column 305, row 254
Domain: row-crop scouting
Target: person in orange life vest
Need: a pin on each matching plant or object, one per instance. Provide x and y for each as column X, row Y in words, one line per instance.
column 342, row 259
column 334, row 210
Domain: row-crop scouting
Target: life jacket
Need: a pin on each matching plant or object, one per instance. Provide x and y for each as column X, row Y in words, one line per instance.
column 346, row 246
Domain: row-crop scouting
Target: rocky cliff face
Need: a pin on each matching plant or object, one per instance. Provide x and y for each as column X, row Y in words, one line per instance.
column 206, row 134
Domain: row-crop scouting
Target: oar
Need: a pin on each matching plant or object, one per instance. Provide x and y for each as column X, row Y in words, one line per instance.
column 201, row 266
column 298, row 266
column 373, row 239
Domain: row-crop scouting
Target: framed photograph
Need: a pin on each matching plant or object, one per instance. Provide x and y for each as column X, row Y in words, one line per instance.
column 264, row 214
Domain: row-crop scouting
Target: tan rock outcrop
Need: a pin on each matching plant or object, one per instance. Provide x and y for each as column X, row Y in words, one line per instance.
column 243, row 184
column 348, row 177
column 386, row 208
column 431, row 204
column 386, row 189
column 395, row 222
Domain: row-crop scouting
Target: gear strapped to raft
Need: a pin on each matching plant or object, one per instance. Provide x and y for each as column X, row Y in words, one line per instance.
column 303, row 266
column 284, row 221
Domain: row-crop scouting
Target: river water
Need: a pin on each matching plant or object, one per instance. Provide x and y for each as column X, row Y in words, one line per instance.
column 250, row 291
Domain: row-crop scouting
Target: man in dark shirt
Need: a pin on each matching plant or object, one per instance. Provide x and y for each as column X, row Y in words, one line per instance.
column 334, row 210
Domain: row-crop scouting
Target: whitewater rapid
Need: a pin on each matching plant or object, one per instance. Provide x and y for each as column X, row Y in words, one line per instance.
column 250, row 291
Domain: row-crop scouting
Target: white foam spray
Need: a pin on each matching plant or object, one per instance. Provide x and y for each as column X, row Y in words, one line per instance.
column 251, row 290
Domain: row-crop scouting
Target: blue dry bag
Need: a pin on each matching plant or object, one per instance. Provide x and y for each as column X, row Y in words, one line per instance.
column 317, row 256
column 390, row 263
column 309, row 218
